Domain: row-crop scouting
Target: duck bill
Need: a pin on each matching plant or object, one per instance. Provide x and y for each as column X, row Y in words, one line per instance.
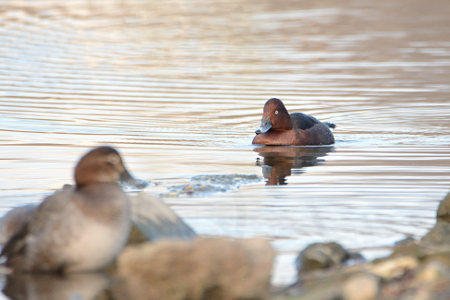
column 129, row 181
column 265, row 126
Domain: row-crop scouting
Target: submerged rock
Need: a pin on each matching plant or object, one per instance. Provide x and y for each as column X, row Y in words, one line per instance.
column 191, row 189
column 205, row 268
column 207, row 184
column 232, row 180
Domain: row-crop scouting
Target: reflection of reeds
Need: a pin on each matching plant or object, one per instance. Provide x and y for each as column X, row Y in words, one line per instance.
column 279, row 162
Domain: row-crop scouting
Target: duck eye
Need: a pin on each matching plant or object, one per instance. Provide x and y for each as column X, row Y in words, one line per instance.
column 276, row 112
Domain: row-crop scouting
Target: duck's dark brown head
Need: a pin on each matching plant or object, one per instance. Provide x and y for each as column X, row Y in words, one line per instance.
column 102, row 165
column 275, row 117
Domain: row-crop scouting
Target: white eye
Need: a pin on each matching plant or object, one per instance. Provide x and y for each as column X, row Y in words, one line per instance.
column 276, row 112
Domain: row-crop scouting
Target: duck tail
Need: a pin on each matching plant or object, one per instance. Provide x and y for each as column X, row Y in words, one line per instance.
column 331, row 125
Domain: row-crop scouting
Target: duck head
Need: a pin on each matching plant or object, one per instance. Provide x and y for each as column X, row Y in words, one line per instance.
column 104, row 165
column 275, row 117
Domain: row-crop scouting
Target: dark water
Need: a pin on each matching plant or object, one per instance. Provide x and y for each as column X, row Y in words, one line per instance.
column 178, row 87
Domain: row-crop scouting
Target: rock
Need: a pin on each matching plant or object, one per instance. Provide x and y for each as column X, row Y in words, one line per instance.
column 431, row 272
column 204, row 268
column 395, row 267
column 322, row 256
column 231, row 180
column 442, row 257
column 406, row 242
column 416, row 270
column 135, row 237
column 439, row 235
column 360, row 286
column 407, row 247
column 202, row 185
column 443, row 212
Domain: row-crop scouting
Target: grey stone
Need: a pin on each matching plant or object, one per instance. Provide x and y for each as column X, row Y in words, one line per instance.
column 361, row 286
column 322, row 256
column 204, row 268
column 443, row 212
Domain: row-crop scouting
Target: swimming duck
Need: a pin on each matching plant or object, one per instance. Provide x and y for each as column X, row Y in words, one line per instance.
column 80, row 228
column 278, row 127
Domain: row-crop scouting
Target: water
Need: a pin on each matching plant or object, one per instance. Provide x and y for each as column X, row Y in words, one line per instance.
column 178, row 87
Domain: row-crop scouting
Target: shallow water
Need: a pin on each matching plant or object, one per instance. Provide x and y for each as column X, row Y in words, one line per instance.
column 179, row 88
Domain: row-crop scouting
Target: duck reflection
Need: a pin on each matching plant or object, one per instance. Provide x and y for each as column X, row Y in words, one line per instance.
column 280, row 162
column 51, row 287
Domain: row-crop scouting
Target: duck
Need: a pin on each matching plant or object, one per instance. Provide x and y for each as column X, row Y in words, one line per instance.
column 13, row 220
column 80, row 228
column 279, row 128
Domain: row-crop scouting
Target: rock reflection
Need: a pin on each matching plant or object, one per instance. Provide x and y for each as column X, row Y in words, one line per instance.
column 48, row 287
column 280, row 162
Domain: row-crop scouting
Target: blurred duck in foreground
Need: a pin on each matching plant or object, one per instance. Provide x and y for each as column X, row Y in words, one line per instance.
column 80, row 228
column 14, row 220
column 27, row 232
column 278, row 127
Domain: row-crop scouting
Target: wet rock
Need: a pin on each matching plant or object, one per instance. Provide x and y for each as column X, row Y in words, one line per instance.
column 430, row 280
column 416, row 270
column 204, row 268
column 431, row 272
column 361, row 286
column 395, row 267
column 405, row 242
column 409, row 248
column 442, row 256
column 439, row 235
column 323, row 256
column 194, row 188
column 234, row 180
column 443, row 212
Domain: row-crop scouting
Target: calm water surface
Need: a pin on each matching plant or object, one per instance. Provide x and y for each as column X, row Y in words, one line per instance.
column 179, row 88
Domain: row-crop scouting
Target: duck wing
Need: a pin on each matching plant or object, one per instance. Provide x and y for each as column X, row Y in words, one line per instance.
column 15, row 248
column 303, row 121
column 156, row 220
column 42, row 229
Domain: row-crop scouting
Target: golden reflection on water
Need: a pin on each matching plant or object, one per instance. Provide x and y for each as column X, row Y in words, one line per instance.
column 279, row 162
column 179, row 86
